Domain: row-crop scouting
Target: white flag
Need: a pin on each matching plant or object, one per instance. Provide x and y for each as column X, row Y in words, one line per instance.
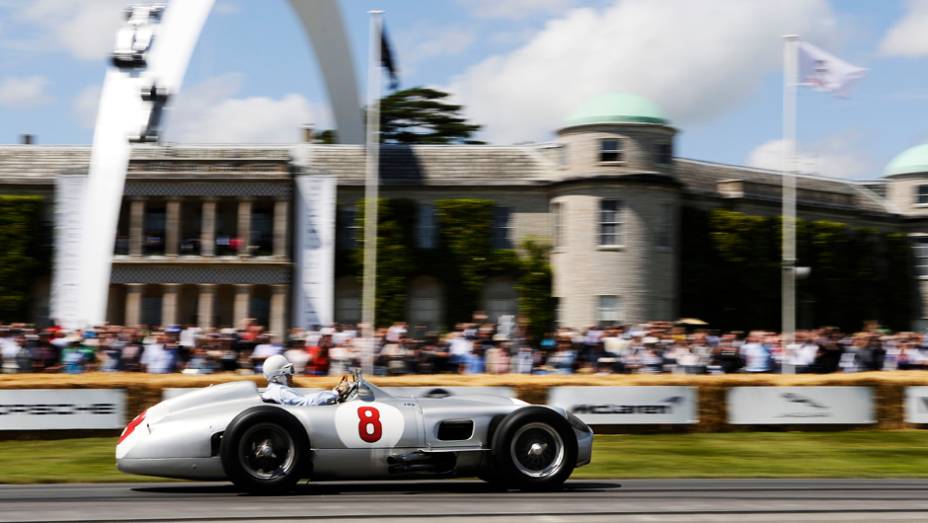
column 826, row 72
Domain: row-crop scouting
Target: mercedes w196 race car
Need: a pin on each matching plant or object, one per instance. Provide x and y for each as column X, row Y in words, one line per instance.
column 228, row 432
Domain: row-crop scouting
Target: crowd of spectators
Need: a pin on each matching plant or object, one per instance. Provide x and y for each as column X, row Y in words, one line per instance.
column 470, row 348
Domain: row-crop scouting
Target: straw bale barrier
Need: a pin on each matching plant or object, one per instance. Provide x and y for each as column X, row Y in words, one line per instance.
column 144, row 390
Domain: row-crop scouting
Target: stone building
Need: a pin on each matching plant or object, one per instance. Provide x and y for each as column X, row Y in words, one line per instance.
column 205, row 233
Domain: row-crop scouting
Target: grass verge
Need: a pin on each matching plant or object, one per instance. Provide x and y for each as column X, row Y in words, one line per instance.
column 851, row 454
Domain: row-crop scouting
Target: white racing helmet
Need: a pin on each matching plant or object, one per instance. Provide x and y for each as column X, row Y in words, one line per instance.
column 277, row 368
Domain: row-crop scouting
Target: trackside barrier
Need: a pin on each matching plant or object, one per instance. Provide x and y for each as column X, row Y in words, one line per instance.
column 62, row 409
column 628, row 405
column 801, row 406
column 707, row 404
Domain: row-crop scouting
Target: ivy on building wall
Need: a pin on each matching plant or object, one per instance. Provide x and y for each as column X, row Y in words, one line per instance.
column 396, row 261
column 730, row 273
column 463, row 262
column 25, row 255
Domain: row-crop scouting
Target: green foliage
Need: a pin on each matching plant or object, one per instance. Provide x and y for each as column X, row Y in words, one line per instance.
column 420, row 115
column 463, row 263
column 731, row 272
column 534, row 286
column 395, row 257
column 25, row 254
column 465, row 232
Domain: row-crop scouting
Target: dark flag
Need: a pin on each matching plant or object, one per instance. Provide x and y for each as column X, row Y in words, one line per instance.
column 386, row 59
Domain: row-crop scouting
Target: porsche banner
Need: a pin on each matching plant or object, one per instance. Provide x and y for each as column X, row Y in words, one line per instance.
column 628, row 405
column 314, row 250
column 54, row 409
column 801, row 406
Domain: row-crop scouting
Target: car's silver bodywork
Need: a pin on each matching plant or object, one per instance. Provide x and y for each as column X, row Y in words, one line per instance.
column 180, row 437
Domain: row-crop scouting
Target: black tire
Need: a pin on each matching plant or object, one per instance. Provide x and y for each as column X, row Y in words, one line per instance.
column 534, row 448
column 264, row 450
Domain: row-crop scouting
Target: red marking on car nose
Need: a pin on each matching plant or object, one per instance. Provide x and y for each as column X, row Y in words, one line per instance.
column 131, row 426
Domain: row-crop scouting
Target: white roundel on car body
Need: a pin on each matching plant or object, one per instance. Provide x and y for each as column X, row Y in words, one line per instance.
column 368, row 424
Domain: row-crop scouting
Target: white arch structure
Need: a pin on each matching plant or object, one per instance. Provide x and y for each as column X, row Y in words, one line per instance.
column 125, row 114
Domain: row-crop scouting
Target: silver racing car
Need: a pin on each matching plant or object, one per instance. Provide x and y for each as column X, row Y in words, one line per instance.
column 228, row 432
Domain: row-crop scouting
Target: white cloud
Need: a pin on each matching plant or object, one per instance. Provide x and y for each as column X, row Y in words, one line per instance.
column 908, row 37
column 837, row 156
column 443, row 42
column 210, row 112
column 515, row 9
column 87, row 30
column 23, row 91
column 694, row 59
column 85, row 106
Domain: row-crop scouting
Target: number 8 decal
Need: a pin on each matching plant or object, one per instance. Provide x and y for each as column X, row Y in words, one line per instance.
column 369, row 427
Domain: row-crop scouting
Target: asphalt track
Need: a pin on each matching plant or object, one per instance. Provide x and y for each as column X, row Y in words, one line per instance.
column 581, row 501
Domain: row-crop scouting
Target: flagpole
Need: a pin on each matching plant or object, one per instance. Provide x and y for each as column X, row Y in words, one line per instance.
column 371, row 188
column 790, row 84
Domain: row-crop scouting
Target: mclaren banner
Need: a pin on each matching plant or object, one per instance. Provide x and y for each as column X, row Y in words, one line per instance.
column 800, row 406
column 627, row 405
column 44, row 409
column 315, row 251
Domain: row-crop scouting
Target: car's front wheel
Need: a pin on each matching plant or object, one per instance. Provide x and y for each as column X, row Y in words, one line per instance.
column 264, row 451
column 534, row 448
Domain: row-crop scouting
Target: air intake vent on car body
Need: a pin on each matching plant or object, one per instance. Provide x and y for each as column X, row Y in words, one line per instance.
column 455, row 429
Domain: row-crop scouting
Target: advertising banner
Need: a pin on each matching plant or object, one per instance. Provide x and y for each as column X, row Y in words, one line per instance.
column 800, row 405
column 916, row 404
column 43, row 409
column 314, row 250
column 66, row 276
column 628, row 405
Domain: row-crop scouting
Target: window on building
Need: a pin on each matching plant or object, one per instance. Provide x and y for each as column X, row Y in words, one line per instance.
column 556, row 210
column 921, row 254
column 664, row 226
column 426, row 227
column 610, row 150
column 609, row 310
column 502, row 228
column 347, row 236
column 610, row 222
column 562, row 155
column 921, row 194
column 664, row 153
column 154, row 224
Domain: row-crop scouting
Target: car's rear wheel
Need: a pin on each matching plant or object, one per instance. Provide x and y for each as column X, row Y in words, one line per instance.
column 264, row 451
column 534, row 448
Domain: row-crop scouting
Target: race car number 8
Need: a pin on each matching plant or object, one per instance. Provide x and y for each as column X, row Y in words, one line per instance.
column 369, row 426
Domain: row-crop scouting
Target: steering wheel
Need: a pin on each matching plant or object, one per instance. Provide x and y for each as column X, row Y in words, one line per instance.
column 349, row 389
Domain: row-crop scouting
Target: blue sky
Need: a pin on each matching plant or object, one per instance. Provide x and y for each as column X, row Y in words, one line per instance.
column 519, row 66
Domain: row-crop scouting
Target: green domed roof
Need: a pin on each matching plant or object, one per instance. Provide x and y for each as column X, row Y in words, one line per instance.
column 617, row 108
column 913, row 160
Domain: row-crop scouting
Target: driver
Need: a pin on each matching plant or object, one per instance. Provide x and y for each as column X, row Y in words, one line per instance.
column 279, row 374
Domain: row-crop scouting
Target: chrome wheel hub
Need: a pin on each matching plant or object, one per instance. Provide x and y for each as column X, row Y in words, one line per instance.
column 537, row 450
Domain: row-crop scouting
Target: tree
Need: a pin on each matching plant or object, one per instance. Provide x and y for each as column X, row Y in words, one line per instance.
column 421, row 115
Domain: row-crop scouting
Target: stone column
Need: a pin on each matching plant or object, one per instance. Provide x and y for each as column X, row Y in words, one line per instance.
column 244, row 226
column 172, row 227
column 281, row 217
column 169, row 303
column 241, row 304
column 206, row 305
column 278, row 314
column 136, row 226
column 208, row 228
column 133, row 303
